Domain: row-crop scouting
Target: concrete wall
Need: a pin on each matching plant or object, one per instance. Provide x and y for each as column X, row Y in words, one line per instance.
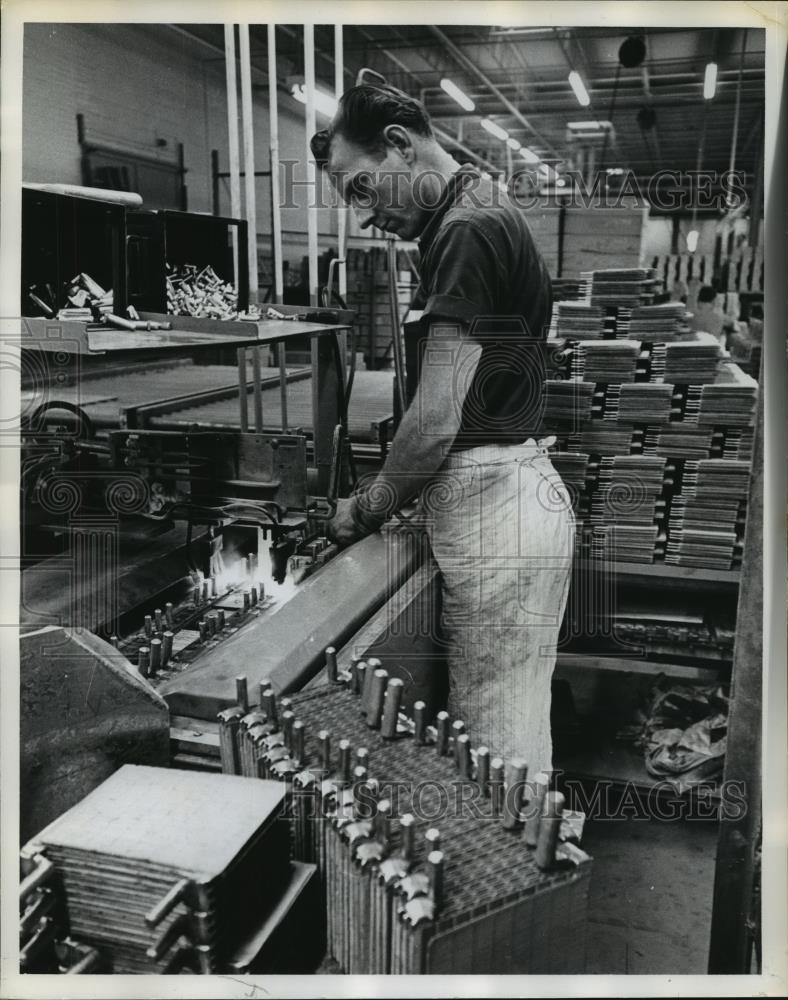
column 135, row 84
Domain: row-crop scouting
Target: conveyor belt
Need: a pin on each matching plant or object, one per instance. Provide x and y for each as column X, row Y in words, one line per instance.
column 103, row 396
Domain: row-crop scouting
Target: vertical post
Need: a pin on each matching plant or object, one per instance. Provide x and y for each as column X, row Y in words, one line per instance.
column 232, row 139
column 342, row 208
column 322, row 433
column 276, row 211
column 243, row 395
column 561, row 231
column 215, row 181
column 249, row 178
column 276, row 203
column 257, row 389
column 729, row 948
column 311, row 207
column 737, row 106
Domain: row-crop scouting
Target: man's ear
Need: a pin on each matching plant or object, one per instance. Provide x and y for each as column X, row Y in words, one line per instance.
column 399, row 138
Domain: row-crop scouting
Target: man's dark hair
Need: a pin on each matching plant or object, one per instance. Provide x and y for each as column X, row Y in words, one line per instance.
column 364, row 112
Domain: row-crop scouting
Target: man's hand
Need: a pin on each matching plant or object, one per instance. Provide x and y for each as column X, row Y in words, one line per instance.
column 344, row 528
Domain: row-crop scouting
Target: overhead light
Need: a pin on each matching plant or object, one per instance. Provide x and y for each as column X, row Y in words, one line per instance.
column 324, row 103
column 692, row 240
column 615, row 171
column 560, row 182
column 513, row 143
column 528, row 155
column 576, row 83
column 496, row 130
column 585, row 126
column 710, row 81
column 456, row 94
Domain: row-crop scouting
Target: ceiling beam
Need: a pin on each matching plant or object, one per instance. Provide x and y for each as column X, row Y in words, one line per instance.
column 441, row 133
column 466, row 63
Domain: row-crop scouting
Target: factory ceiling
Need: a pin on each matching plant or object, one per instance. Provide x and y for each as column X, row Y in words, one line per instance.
column 517, row 78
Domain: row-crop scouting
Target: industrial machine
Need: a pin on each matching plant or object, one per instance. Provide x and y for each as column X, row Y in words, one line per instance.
column 175, row 560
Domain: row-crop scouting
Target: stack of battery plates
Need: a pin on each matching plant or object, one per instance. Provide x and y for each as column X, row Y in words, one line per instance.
column 640, row 402
column 628, row 508
column 572, row 467
column 738, row 443
column 686, row 362
column 679, row 440
column 631, row 286
column 567, row 401
column 425, row 866
column 708, row 514
column 580, row 321
column 606, row 361
column 210, row 852
column 729, row 401
column 659, row 323
column 602, row 437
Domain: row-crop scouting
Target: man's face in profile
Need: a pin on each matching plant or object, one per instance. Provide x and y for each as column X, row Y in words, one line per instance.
column 379, row 186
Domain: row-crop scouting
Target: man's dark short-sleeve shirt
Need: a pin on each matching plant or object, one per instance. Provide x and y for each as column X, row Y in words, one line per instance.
column 480, row 268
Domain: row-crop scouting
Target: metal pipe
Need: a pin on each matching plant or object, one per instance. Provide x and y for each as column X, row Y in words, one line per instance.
column 342, row 208
column 473, row 68
column 232, row 139
column 243, row 395
column 249, row 180
column 311, row 208
column 258, row 391
column 735, row 135
column 276, row 216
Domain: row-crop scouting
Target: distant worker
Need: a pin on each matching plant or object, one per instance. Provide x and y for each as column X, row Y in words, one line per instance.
column 707, row 314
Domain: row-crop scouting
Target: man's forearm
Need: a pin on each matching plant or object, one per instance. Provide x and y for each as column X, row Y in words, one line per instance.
column 424, row 436
column 413, row 459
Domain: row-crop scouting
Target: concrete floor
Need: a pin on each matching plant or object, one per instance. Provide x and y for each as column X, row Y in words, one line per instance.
column 651, row 892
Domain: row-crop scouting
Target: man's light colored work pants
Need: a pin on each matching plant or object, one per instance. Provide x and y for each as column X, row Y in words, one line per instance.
column 501, row 527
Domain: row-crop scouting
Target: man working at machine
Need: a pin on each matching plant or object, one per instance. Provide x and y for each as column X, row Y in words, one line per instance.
column 498, row 518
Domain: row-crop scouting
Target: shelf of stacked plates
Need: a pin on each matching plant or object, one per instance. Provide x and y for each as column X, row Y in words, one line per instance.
column 654, row 429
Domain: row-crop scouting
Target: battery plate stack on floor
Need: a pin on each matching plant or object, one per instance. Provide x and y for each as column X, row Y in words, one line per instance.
column 160, row 866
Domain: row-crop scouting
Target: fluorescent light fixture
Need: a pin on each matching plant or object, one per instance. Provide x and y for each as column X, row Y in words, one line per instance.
column 710, row 81
column 692, row 240
column 528, row 155
column 324, row 103
column 513, row 143
column 457, row 95
column 576, row 83
column 615, row 171
column 496, row 130
column 585, row 126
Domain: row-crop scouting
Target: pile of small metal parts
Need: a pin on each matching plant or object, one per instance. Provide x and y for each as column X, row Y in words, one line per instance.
column 434, row 857
column 84, row 296
column 196, row 291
